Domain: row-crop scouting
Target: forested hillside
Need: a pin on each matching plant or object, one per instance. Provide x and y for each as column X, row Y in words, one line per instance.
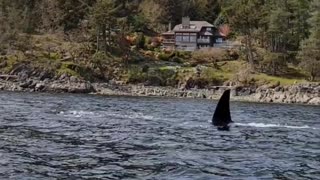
column 90, row 37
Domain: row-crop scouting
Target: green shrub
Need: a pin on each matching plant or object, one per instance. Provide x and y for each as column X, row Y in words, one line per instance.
column 164, row 57
column 183, row 54
column 177, row 59
column 69, row 68
column 154, row 80
column 135, row 75
column 212, row 77
column 169, row 76
column 209, row 56
column 139, row 23
column 140, row 41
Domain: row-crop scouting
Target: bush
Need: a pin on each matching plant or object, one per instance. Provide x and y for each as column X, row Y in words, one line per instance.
column 155, row 42
column 209, row 74
column 164, row 57
column 169, row 76
column 177, row 59
column 183, row 54
column 209, row 56
column 273, row 63
column 197, row 83
column 244, row 77
column 233, row 54
column 154, row 80
column 135, row 75
column 162, row 77
column 139, row 23
column 140, row 41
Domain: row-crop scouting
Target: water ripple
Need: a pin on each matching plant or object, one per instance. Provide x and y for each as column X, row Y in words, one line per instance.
column 47, row 136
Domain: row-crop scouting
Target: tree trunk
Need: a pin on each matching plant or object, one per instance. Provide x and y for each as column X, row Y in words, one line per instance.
column 249, row 51
column 273, row 68
column 109, row 37
column 98, row 42
column 104, row 38
column 312, row 75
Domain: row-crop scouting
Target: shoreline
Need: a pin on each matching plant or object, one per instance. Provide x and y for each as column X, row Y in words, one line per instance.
column 308, row 93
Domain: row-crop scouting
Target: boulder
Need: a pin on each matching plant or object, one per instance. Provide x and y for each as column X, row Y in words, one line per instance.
column 85, row 87
column 39, row 86
column 26, row 84
column 315, row 101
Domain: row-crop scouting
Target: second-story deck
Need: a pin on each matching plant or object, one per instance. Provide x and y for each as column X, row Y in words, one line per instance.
column 168, row 41
column 203, row 41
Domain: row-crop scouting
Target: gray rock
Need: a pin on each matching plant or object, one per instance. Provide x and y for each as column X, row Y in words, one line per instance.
column 74, row 79
column 315, row 101
column 44, row 75
column 40, row 86
column 277, row 89
column 26, row 84
column 64, row 77
column 72, row 87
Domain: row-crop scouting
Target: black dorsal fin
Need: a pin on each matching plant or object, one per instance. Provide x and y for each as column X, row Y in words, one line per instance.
column 222, row 115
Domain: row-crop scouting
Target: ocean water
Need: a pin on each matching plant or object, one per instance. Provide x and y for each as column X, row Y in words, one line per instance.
column 63, row 136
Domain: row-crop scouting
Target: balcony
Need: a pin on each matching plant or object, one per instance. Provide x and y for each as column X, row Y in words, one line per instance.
column 203, row 41
column 168, row 41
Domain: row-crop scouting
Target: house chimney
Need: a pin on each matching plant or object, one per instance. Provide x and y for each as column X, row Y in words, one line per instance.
column 169, row 28
column 185, row 22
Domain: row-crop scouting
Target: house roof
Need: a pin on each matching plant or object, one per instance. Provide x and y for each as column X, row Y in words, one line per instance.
column 207, row 33
column 168, row 33
column 195, row 26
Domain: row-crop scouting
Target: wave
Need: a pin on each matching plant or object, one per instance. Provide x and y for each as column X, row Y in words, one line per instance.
column 77, row 113
column 262, row 125
column 138, row 115
column 133, row 115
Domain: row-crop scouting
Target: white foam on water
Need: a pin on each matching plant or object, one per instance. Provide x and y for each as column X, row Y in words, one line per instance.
column 75, row 113
column 132, row 116
column 262, row 125
column 80, row 113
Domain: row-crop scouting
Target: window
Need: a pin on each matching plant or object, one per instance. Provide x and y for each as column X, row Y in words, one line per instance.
column 178, row 38
column 185, row 38
column 209, row 29
column 193, row 38
column 219, row 40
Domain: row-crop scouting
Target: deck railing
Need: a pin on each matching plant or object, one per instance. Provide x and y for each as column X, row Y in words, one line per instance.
column 169, row 41
column 203, row 40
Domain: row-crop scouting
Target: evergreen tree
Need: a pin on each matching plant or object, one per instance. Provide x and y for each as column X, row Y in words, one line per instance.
column 245, row 17
column 171, row 12
column 103, row 20
column 310, row 49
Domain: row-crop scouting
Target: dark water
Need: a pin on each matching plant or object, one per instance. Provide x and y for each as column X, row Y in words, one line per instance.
column 45, row 136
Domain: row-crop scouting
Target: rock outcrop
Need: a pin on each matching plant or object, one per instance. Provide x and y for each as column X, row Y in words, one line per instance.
column 300, row 94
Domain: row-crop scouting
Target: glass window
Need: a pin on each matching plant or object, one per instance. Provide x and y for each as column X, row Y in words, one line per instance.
column 193, row 38
column 178, row 38
column 185, row 38
column 219, row 40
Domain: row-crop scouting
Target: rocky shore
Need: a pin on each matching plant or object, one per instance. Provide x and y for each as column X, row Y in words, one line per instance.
column 308, row 93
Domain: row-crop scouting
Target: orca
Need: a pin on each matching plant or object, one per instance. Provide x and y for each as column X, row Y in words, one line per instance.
column 221, row 117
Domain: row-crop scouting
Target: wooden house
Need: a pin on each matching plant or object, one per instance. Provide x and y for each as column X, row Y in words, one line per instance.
column 191, row 35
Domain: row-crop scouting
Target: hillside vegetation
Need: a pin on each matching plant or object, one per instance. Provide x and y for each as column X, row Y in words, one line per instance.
column 119, row 40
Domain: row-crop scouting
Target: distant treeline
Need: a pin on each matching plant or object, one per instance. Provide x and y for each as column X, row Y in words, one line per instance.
column 276, row 33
